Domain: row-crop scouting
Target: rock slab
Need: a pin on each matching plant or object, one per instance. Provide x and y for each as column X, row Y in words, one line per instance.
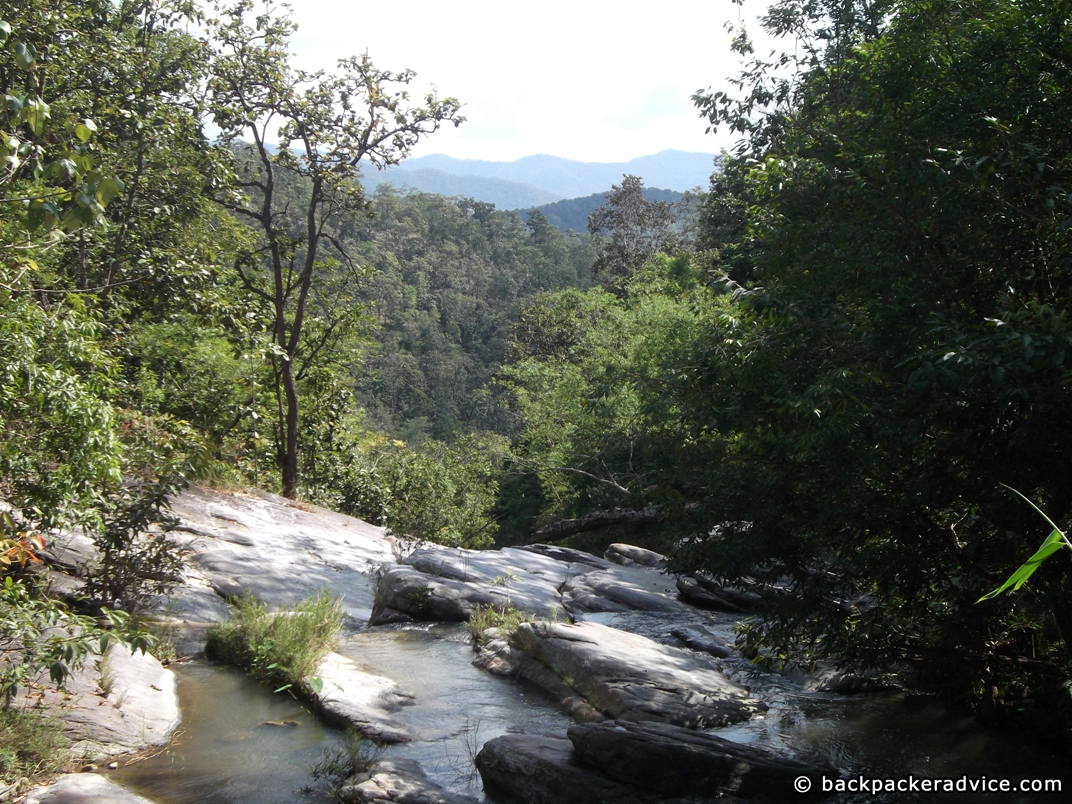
column 400, row 781
column 121, row 703
column 351, row 697
column 671, row 761
column 83, row 788
column 630, row 677
column 541, row 770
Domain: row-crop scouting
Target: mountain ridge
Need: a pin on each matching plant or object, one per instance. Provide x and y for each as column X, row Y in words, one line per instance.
column 519, row 184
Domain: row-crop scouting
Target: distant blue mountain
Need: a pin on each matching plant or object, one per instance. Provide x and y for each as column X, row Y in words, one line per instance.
column 502, row 193
column 556, row 177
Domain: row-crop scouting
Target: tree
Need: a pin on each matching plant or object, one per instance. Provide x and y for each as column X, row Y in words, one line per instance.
column 896, row 233
column 629, row 230
column 327, row 123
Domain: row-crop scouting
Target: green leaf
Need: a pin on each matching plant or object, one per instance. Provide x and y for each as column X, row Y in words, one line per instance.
column 35, row 112
column 25, row 55
column 315, row 684
column 5, row 31
column 109, row 189
column 1054, row 542
column 83, row 132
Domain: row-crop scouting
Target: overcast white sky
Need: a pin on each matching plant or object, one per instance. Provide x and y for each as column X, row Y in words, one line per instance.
column 587, row 79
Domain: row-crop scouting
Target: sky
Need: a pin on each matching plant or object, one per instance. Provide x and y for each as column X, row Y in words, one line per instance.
column 589, row 80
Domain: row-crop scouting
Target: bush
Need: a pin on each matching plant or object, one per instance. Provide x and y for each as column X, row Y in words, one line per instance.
column 490, row 617
column 282, row 649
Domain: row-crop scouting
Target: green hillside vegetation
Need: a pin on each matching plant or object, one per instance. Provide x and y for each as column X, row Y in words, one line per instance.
column 571, row 214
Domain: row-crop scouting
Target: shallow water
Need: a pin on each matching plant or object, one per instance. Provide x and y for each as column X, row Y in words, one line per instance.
column 227, row 753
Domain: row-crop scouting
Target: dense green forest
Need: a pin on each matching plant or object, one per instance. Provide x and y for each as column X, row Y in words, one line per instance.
column 820, row 392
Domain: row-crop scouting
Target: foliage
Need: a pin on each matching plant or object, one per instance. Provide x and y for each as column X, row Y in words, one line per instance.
column 339, row 763
column 572, row 213
column 432, row 492
column 629, row 230
column 38, row 633
column 897, row 244
column 589, row 384
column 282, row 649
column 1054, row 542
column 449, row 276
column 30, row 745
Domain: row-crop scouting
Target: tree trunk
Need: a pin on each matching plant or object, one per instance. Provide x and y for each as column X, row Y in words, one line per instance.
column 600, row 519
column 290, row 448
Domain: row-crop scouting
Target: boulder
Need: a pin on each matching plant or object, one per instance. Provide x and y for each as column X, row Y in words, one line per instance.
column 630, row 677
column 530, row 768
column 350, row 697
column 704, row 593
column 120, row 703
column 699, row 638
column 671, row 761
column 628, row 555
column 83, row 788
column 276, row 549
column 621, row 589
column 401, row 781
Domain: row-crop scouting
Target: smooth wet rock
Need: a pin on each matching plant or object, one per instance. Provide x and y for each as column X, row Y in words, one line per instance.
column 401, row 781
column 620, row 589
column 704, row 593
column 672, row 761
column 628, row 555
column 499, row 657
column 629, row 677
column 83, row 788
column 120, row 704
column 698, row 638
column 530, row 768
column 547, row 581
column 350, row 697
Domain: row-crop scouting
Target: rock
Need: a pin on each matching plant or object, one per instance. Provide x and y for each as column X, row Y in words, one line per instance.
column 702, row 640
column 350, row 697
column 529, row 768
column 83, row 788
column 119, row 704
column 501, row 658
column 276, row 549
column 629, row 556
column 617, row 589
column 567, row 555
column 706, row 594
column 630, row 677
column 672, row 761
column 449, row 585
column 398, row 780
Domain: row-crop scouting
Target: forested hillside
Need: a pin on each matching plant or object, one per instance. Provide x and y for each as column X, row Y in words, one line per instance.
column 449, row 276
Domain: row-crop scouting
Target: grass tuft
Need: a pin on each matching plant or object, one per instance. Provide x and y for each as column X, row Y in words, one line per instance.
column 31, row 745
column 506, row 620
column 279, row 648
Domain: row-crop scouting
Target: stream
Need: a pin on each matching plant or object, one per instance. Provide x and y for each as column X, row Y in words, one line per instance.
column 229, row 753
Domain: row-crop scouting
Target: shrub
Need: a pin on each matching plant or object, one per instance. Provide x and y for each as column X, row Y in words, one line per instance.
column 279, row 648
column 506, row 620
